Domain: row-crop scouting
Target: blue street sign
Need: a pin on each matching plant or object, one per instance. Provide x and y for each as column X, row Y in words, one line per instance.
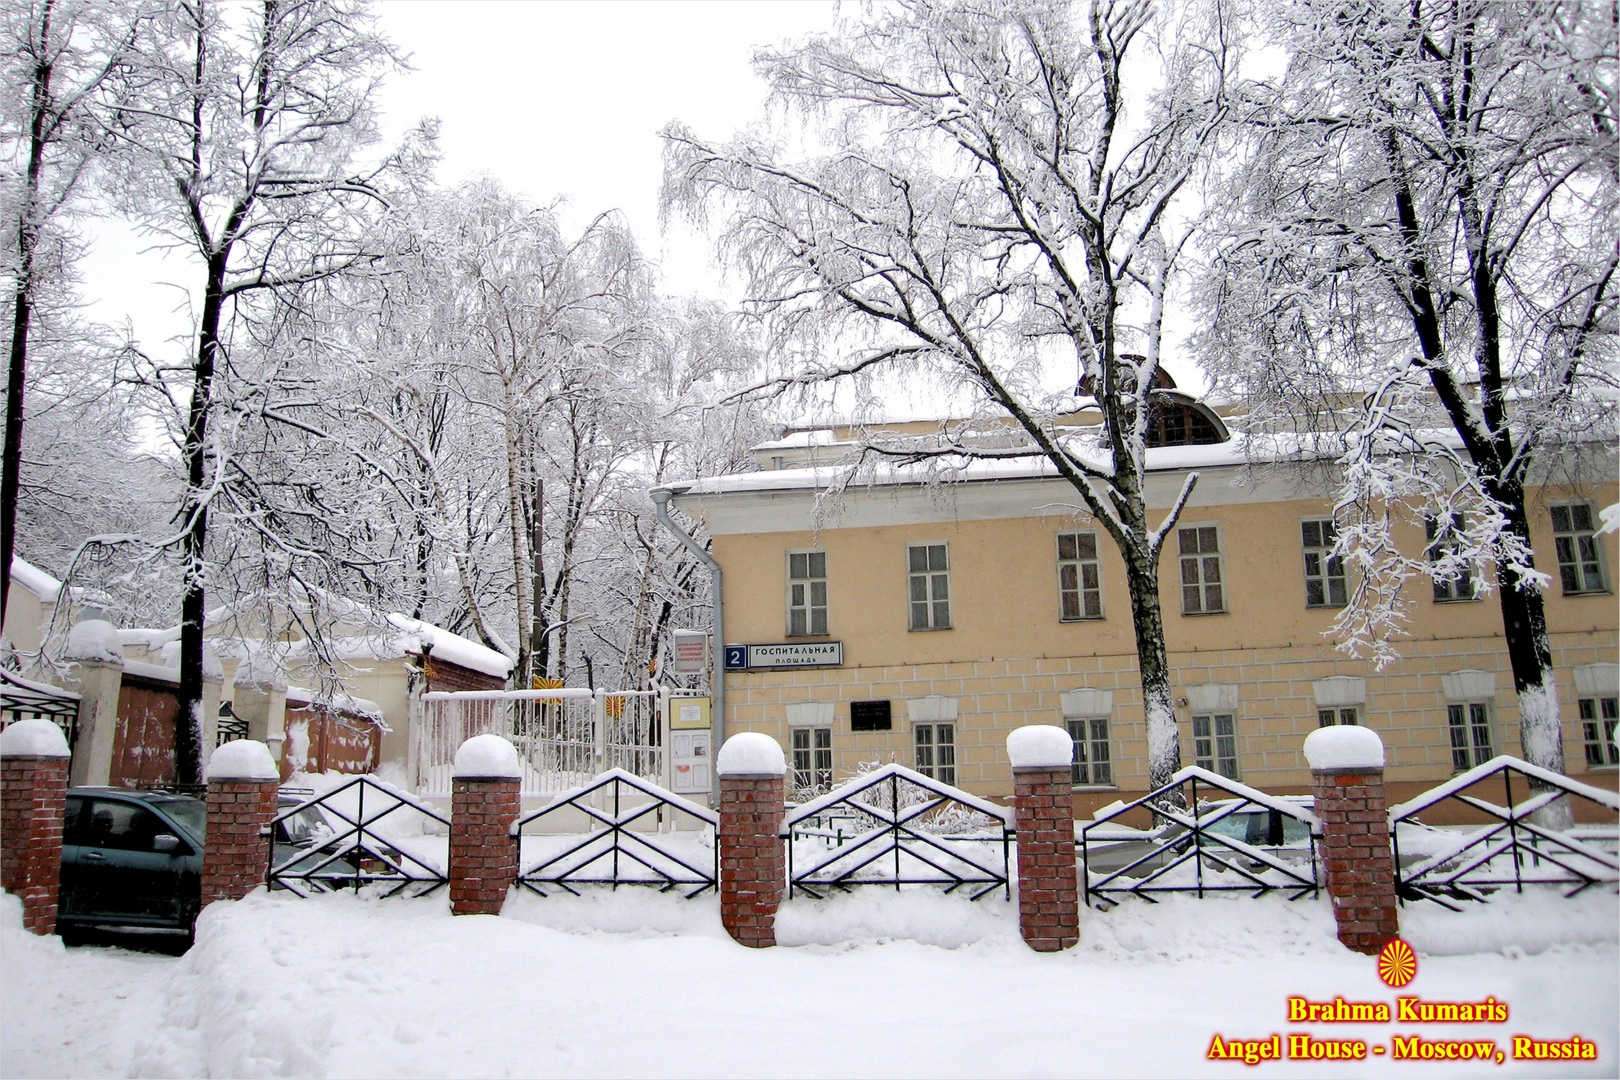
column 736, row 657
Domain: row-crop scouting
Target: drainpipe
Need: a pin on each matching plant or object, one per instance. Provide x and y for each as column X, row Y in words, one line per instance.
column 717, row 667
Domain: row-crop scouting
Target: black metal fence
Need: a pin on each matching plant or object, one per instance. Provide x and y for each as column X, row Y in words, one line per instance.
column 358, row 834
column 22, row 699
column 626, row 844
column 1201, row 833
column 1528, row 838
column 896, row 827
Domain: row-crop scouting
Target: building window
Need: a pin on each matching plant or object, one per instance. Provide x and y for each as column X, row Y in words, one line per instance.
column 936, row 751
column 1215, row 743
column 1093, row 764
column 807, row 593
column 1580, row 563
column 930, row 583
column 1470, row 723
column 1079, row 576
column 1200, row 570
column 812, row 758
column 1598, row 716
column 1324, row 571
column 1443, row 544
column 1344, row 714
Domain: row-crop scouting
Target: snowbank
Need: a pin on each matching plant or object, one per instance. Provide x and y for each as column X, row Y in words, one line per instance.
column 242, row 759
column 1346, row 746
column 1040, row 746
column 34, row 737
column 487, row 755
column 750, row 753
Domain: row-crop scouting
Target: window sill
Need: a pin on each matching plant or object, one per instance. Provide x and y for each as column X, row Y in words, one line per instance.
column 1197, row 614
column 1083, row 618
column 1590, row 592
column 927, row 629
column 1457, row 599
column 1325, row 607
column 1094, row 787
column 807, row 637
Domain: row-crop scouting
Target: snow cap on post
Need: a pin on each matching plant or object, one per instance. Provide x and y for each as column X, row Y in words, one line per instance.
column 1347, row 746
column 1040, row 746
column 242, row 759
column 488, row 756
column 95, row 640
column 34, row 737
column 751, row 753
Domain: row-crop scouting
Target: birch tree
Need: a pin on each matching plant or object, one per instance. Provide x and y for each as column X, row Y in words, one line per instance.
column 1003, row 182
column 1428, row 228
column 246, row 151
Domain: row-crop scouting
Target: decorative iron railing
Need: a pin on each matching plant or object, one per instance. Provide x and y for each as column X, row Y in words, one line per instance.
column 1515, row 842
column 1243, row 841
column 904, row 828
column 360, row 833
column 22, row 699
column 622, row 849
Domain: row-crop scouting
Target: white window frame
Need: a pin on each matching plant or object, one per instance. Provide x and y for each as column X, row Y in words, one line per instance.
column 1329, row 570
column 1333, row 715
column 931, row 741
column 1585, row 555
column 1468, row 721
column 1461, row 589
column 807, row 607
column 1079, row 564
column 812, row 761
column 1093, row 752
column 1200, row 562
column 1598, row 714
column 936, row 587
column 1207, row 746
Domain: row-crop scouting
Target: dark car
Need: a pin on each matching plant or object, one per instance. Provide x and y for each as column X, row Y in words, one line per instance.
column 132, row 860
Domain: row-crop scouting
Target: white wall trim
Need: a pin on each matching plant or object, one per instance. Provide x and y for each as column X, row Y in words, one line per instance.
column 1469, row 685
column 1337, row 691
column 1597, row 680
column 1087, row 702
column 810, row 714
column 931, row 710
column 1212, row 697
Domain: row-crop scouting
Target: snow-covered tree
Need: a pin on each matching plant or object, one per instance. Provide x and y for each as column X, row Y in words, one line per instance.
column 246, row 150
column 57, row 68
column 1000, row 184
column 1422, row 268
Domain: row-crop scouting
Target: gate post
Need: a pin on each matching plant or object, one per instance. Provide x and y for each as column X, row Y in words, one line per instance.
column 753, row 868
column 1043, row 815
column 33, row 800
column 242, row 780
column 1347, row 773
column 485, row 801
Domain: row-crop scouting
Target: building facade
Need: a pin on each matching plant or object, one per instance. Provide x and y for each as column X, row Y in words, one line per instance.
column 922, row 622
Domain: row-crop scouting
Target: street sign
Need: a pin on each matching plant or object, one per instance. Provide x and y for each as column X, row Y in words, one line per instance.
column 736, row 657
column 796, row 654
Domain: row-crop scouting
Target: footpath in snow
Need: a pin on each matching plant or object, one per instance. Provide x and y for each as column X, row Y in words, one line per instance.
column 638, row 984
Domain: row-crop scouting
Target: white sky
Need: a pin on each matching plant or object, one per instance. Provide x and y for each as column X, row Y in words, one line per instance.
column 557, row 99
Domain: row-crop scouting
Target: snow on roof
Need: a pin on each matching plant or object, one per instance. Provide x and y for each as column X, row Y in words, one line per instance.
column 93, row 639
column 357, row 706
column 418, row 636
column 42, row 584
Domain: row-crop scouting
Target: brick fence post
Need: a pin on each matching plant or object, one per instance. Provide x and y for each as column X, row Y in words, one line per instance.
column 1347, row 773
column 242, row 781
column 33, row 799
column 1043, row 816
column 485, row 803
column 753, row 863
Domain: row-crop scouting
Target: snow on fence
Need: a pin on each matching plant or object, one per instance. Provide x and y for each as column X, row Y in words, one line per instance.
column 564, row 737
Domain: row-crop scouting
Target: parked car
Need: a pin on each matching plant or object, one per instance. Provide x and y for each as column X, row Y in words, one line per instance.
column 132, row 860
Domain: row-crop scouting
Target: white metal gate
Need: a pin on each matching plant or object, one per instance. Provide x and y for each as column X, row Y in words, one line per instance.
column 563, row 737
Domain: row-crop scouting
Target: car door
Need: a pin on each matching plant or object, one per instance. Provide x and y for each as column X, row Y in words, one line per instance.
column 115, row 871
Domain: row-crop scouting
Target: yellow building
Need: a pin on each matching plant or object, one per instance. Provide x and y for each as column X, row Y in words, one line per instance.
column 920, row 623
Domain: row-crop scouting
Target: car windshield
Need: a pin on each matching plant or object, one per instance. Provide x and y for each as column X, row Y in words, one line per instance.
column 190, row 813
column 305, row 827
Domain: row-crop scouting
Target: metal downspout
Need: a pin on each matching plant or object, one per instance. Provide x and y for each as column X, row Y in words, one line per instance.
column 717, row 668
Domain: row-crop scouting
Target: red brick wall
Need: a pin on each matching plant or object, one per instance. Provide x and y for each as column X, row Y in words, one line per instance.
column 753, row 860
column 33, row 802
column 236, row 855
column 483, row 851
column 1355, row 852
column 443, row 675
column 1048, row 880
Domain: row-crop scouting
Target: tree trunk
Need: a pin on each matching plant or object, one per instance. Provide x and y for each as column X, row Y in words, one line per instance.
column 22, row 312
column 1158, row 703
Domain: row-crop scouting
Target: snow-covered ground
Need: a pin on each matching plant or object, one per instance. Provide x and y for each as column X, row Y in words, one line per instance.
column 638, row 984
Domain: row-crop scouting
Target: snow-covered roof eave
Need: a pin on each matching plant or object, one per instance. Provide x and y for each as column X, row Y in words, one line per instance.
column 44, row 585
